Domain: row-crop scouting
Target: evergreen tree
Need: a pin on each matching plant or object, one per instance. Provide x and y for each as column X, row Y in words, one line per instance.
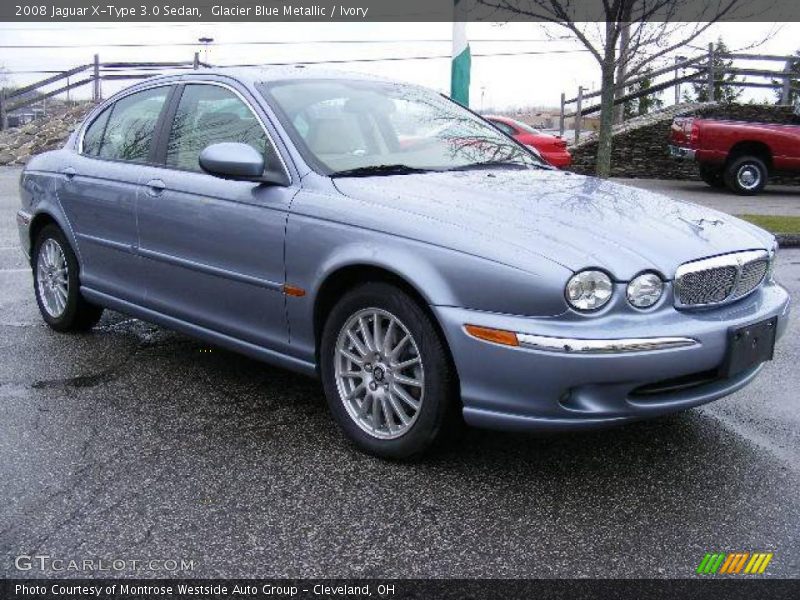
column 794, row 82
column 644, row 104
column 724, row 90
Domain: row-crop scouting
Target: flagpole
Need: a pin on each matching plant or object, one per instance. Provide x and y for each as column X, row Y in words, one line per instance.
column 461, row 61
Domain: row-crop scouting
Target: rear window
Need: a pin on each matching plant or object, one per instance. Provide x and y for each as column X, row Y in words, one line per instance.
column 129, row 129
column 94, row 133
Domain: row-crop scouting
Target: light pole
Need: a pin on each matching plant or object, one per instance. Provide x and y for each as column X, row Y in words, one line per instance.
column 205, row 41
column 678, row 60
column 483, row 95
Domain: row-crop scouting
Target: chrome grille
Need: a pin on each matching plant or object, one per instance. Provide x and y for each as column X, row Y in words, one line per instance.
column 752, row 274
column 720, row 279
column 708, row 286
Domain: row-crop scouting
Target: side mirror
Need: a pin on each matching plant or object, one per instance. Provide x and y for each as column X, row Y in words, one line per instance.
column 232, row 160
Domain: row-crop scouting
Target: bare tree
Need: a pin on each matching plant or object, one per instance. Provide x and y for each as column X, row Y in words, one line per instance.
column 653, row 29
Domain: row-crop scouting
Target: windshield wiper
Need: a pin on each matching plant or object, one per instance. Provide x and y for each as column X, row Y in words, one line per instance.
column 378, row 170
column 494, row 164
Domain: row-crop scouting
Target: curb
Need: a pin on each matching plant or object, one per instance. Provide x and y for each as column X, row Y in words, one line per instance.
column 788, row 240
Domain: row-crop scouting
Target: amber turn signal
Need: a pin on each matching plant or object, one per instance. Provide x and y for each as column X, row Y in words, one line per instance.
column 497, row 336
column 293, row 290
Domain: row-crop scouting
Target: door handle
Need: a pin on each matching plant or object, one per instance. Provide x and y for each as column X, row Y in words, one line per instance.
column 155, row 187
column 69, row 172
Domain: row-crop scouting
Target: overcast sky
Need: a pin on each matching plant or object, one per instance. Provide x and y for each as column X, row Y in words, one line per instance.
column 503, row 81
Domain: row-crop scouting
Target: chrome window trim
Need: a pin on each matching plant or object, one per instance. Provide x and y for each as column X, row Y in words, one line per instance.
column 733, row 259
column 589, row 346
column 122, row 95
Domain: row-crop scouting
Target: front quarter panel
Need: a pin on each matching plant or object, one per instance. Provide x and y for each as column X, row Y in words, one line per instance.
column 326, row 233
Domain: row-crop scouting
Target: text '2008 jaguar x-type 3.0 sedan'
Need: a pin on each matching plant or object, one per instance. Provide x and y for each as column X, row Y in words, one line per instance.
column 403, row 249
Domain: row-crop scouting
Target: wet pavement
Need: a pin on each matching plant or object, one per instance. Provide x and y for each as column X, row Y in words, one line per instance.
column 774, row 200
column 136, row 443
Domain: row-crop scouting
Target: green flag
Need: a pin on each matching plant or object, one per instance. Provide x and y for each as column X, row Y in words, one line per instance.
column 459, row 68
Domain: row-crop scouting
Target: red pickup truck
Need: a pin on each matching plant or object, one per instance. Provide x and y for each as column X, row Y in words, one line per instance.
column 734, row 154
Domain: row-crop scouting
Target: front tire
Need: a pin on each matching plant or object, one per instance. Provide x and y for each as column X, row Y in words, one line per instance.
column 387, row 375
column 56, row 285
column 746, row 175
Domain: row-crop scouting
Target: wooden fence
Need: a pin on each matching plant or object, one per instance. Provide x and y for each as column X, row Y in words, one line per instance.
column 89, row 74
column 697, row 70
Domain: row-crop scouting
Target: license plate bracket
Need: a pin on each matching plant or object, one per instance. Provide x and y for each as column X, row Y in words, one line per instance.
column 749, row 346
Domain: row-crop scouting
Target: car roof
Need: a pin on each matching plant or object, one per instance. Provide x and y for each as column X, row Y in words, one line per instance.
column 502, row 118
column 255, row 75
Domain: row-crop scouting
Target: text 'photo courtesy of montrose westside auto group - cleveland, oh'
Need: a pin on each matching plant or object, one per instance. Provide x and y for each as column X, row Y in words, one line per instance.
column 378, row 299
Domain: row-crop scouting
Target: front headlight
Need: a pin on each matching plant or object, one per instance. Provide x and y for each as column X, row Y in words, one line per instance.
column 589, row 290
column 645, row 290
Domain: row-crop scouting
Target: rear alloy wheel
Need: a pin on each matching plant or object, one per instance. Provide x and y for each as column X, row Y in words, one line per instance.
column 55, row 283
column 746, row 175
column 386, row 373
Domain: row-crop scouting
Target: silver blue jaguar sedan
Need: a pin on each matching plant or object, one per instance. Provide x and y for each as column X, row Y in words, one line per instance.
column 420, row 262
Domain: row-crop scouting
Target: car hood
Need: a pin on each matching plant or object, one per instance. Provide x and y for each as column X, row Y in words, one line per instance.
column 510, row 216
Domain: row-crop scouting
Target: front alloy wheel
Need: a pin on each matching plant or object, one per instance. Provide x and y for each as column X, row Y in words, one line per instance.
column 387, row 374
column 379, row 373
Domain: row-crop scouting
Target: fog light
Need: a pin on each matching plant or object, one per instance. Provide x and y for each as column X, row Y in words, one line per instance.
column 645, row 290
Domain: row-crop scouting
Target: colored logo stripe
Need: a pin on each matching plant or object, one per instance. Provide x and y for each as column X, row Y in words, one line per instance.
column 733, row 563
column 710, row 563
column 731, row 560
column 758, row 563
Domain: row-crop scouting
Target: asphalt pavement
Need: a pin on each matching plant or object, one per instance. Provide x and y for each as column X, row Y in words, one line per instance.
column 774, row 200
column 136, row 443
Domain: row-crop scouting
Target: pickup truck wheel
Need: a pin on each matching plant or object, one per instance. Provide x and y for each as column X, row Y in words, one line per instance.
column 746, row 175
column 386, row 373
column 712, row 176
column 56, row 285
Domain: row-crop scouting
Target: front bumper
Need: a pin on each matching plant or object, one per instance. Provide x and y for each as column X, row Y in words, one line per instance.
column 681, row 152
column 529, row 388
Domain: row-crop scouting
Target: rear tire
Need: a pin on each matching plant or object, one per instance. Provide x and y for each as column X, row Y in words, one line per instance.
column 746, row 175
column 712, row 176
column 56, row 285
column 385, row 408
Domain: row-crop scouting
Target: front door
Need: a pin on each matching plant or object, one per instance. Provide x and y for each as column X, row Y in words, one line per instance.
column 213, row 248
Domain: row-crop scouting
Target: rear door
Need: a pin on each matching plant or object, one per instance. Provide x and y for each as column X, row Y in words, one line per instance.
column 213, row 248
column 99, row 189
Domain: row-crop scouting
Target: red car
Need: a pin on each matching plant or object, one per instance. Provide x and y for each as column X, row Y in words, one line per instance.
column 737, row 155
column 552, row 148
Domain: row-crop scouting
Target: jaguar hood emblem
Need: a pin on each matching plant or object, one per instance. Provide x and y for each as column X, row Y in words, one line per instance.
column 697, row 224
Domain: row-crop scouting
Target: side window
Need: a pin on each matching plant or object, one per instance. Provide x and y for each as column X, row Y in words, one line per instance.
column 507, row 129
column 129, row 132
column 209, row 114
column 93, row 136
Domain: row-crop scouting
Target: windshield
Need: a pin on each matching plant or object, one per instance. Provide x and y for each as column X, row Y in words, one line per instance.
column 350, row 126
column 525, row 127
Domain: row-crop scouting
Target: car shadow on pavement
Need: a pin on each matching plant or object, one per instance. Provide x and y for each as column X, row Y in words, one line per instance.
column 198, row 387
